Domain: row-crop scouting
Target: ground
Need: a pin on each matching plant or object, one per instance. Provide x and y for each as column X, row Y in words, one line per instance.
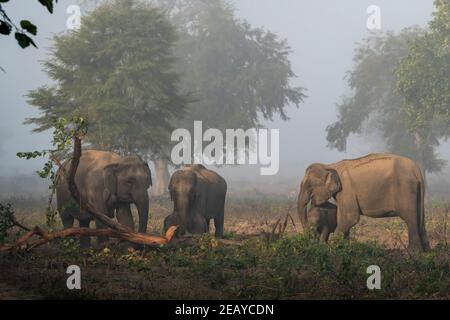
column 255, row 262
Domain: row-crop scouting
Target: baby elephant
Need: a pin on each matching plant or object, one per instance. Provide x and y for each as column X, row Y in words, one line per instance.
column 323, row 220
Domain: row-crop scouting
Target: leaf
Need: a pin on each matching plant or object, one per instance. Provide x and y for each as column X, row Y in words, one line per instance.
column 27, row 25
column 48, row 4
column 5, row 28
column 24, row 40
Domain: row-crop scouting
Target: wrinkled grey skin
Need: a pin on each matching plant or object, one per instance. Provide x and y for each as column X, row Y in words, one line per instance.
column 377, row 186
column 198, row 195
column 110, row 183
column 323, row 220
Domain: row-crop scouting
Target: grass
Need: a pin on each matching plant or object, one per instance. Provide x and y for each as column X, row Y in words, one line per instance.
column 291, row 266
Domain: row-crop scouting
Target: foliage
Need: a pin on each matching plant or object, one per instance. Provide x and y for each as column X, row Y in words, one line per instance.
column 423, row 82
column 423, row 79
column 376, row 106
column 64, row 130
column 22, row 34
column 6, row 221
column 117, row 71
column 238, row 75
column 236, row 72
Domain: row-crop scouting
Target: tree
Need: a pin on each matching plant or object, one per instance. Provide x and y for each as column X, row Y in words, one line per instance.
column 26, row 29
column 375, row 105
column 423, row 82
column 238, row 75
column 116, row 71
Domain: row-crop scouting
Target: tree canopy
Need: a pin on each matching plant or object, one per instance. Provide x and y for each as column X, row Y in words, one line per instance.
column 238, row 74
column 423, row 82
column 400, row 88
column 375, row 105
column 117, row 71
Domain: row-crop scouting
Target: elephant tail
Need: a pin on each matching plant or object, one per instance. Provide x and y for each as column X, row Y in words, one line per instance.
column 421, row 216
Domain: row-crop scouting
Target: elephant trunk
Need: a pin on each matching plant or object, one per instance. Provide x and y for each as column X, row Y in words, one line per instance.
column 182, row 207
column 142, row 205
column 303, row 199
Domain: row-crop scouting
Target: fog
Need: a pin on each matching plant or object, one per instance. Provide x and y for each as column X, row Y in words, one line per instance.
column 322, row 35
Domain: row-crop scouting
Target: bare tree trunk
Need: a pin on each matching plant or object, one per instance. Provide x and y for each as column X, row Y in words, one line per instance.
column 161, row 178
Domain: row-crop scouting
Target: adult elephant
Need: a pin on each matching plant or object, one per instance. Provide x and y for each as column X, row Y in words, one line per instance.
column 110, row 183
column 377, row 185
column 198, row 195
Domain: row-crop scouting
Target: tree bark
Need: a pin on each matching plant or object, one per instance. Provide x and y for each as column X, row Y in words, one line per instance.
column 137, row 238
column 161, row 178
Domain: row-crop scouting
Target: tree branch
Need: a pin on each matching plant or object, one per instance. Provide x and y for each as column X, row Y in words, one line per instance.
column 137, row 238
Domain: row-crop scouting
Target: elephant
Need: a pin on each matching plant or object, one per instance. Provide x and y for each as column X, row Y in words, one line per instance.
column 110, row 183
column 323, row 220
column 376, row 185
column 198, row 195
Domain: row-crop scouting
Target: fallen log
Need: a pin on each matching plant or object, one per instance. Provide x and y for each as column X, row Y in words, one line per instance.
column 153, row 241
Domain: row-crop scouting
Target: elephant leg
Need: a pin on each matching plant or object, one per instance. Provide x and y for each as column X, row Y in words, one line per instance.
column 67, row 220
column 85, row 242
column 101, row 240
column 208, row 222
column 408, row 213
column 414, row 239
column 324, row 234
column 197, row 225
column 218, row 225
column 124, row 216
column 345, row 221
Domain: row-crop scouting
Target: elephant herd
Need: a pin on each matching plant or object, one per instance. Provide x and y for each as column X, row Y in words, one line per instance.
column 377, row 185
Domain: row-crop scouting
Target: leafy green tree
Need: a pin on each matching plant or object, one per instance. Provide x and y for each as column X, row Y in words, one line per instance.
column 423, row 82
column 238, row 75
column 25, row 29
column 117, row 72
column 376, row 106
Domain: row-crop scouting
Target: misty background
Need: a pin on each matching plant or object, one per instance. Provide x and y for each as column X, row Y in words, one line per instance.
column 322, row 34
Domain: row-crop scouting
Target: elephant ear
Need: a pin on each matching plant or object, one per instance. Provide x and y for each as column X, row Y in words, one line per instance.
column 110, row 183
column 332, row 182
